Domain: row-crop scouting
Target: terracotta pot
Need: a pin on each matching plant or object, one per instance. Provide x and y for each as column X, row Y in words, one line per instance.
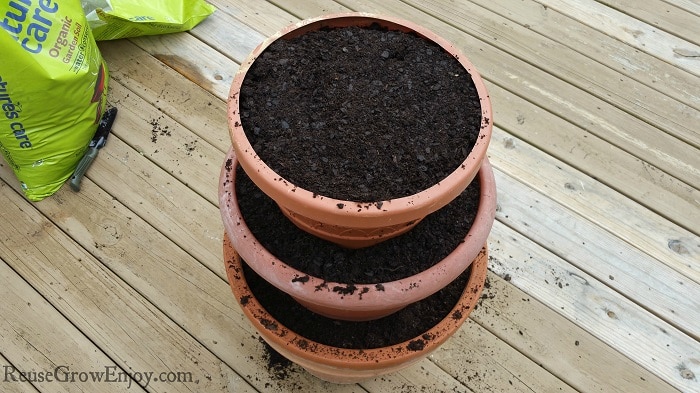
column 367, row 302
column 341, row 365
column 341, row 221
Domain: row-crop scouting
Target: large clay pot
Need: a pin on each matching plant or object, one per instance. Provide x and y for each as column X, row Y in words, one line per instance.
column 341, row 365
column 342, row 221
column 367, row 303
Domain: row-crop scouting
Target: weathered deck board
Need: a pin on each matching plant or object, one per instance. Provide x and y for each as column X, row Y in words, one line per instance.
column 638, row 65
column 595, row 254
column 604, row 205
column 114, row 316
column 263, row 16
column 157, row 202
column 574, row 355
column 587, row 302
column 666, row 17
column 633, row 32
column 202, row 111
column 36, row 337
column 499, row 366
column 691, row 6
column 18, row 386
column 235, row 39
column 609, row 259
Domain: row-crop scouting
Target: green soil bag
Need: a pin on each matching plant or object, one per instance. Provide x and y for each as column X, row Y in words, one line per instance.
column 112, row 19
column 53, row 91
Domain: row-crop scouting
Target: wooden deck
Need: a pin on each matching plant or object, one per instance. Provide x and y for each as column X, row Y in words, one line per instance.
column 594, row 282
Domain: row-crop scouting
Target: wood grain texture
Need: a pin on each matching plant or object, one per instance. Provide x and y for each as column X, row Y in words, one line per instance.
column 634, row 32
column 665, row 16
column 594, row 44
column 37, row 339
column 124, row 325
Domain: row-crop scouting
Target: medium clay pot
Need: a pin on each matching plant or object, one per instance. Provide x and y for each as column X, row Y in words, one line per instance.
column 339, row 365
column 367, row 302
column 347, row 223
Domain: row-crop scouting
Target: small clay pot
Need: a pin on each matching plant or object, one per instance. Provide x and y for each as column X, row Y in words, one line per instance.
column 339, row 365
column 342, row 221
column 367, row 302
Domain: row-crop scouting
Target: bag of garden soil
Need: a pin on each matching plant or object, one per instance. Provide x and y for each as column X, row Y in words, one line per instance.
column 53, row 91
column 112, row 19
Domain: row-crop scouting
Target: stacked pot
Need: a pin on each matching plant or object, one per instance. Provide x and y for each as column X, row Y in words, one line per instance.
column 343, row 223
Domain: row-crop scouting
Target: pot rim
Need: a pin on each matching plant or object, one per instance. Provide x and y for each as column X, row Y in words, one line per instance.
column 284, row 338
column 403, row 209
column 394, row 294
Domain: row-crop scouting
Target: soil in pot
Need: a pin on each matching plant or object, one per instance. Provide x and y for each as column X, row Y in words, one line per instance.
column 407, row 324
column 361, row 114
column 338, row 364
column 429, row 242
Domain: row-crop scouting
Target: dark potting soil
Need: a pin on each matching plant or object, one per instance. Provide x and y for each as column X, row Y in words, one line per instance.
column 360, row 114
column 426, row 244
column 277, row 364
column 406, row 324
